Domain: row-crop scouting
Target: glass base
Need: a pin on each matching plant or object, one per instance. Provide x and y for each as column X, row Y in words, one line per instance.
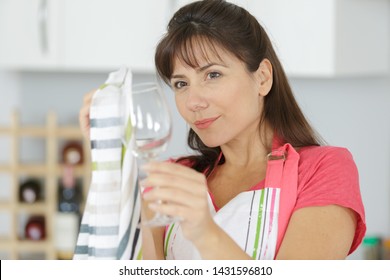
column 160, row 220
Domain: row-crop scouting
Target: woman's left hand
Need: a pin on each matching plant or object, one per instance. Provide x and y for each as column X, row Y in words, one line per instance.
column 184, row 195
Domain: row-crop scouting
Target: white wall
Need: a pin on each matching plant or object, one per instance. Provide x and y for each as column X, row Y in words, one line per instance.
column 354, row 113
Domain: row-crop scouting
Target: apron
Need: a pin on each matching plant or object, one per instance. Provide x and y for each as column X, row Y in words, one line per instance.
column 256, row 220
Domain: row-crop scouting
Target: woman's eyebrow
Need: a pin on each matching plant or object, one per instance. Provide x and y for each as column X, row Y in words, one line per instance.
column 205, row 67
column 199, row 69
column 177, row 76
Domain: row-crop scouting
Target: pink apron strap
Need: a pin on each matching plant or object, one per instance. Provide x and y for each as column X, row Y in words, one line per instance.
column 282, row 172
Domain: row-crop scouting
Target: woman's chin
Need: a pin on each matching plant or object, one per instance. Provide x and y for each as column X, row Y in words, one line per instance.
column 211, row 143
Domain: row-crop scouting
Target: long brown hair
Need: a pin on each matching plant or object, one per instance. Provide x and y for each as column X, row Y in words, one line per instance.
column 209, row 23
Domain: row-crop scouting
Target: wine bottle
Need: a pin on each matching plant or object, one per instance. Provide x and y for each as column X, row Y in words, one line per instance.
column 30, row 191
column 35, row 228
column 69, row 193
column 72, row 153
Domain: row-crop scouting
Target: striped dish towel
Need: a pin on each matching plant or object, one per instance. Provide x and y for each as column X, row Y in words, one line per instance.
column 110, row 223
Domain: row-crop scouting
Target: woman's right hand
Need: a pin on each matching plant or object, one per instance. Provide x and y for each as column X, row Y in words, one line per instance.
column 84, row 114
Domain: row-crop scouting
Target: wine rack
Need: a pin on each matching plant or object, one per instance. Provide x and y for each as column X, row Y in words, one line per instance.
column 50, row 170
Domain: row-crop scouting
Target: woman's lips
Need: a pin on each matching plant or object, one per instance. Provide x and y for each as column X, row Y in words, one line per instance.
column 205, row 123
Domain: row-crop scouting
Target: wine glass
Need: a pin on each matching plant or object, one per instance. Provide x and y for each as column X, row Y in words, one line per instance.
column 152, row 127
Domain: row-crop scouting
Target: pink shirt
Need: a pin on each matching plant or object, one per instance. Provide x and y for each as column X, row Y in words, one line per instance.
column 328, row 175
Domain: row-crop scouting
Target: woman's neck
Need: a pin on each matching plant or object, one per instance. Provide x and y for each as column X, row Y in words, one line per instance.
column 246, row 151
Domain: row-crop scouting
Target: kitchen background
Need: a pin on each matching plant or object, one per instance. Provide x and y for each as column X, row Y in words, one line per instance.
column 52, row 52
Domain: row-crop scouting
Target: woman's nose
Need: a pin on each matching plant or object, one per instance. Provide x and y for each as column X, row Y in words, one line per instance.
column 196, row 100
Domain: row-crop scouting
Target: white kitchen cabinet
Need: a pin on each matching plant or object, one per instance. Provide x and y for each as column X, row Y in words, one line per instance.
column 87, row 35
column 326, row 38
column 28, row 33
column 105, row 34
column 322, row 38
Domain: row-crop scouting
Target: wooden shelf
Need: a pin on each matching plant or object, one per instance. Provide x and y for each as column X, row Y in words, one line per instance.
column 32, row 245
column 6, row 244
column 5, row 130
column 69, row 133
column 5, row 168
column 40, row 170
column 32, row 169
column 65, row 132
column 32, row 132
column 32, row 208
column 50, row 170
column 5, row 205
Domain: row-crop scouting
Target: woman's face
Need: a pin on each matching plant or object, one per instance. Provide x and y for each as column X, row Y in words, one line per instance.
column 220, row 99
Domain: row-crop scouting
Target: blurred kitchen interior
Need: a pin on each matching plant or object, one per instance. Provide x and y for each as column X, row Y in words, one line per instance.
column 52, row 52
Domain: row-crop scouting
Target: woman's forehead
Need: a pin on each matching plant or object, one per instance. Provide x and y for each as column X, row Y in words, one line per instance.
column 197, row 51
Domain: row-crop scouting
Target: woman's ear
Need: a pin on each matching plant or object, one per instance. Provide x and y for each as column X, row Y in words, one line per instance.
column 264, row 73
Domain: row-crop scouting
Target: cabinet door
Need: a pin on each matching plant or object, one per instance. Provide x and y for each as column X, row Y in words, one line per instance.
column 327, row 38
column 28, row 32
column 302, row 33
column 102, row 35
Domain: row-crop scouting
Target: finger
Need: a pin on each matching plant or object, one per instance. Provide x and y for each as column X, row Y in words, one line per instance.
column 84, row 121
column 88, row 97
column 84, row 113
column 174, row 210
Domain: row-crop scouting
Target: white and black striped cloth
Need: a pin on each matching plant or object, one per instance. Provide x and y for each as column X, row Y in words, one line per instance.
column 110, row 223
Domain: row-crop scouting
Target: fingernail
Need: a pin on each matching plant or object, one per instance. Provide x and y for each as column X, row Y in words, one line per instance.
column 145, row 191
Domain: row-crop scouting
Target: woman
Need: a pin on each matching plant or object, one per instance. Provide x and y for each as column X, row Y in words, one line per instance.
column 261, row 186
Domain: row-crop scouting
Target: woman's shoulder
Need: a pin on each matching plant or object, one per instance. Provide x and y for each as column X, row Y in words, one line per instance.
column 324, row 153
column 328, row 175
column 326, row 161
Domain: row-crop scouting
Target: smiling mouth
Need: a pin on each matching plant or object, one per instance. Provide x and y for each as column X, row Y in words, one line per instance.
column 205, row 123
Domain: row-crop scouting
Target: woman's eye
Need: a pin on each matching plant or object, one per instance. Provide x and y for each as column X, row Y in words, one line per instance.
column 179, row 84
column 213, row 75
